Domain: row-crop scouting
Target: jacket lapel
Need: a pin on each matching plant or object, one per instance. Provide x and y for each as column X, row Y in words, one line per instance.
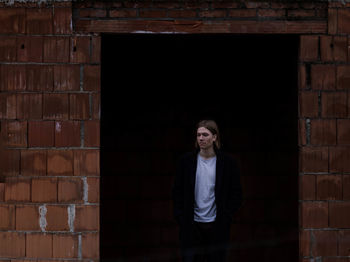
column 193, row 169
column 219, row 172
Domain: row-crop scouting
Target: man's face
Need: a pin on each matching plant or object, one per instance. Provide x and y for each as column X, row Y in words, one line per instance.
column 205, row 138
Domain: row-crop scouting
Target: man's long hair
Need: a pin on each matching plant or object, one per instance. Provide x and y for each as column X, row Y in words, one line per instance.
column 213, row 128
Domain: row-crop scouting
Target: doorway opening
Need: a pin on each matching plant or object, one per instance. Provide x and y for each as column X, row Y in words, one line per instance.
column 155, row 88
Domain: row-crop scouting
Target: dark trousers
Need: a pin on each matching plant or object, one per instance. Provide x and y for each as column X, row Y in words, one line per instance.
column 205, row 246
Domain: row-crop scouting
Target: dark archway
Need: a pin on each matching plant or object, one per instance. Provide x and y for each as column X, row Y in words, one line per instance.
column 154, row 90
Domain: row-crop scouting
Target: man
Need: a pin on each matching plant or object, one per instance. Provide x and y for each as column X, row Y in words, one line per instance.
column 206, row 194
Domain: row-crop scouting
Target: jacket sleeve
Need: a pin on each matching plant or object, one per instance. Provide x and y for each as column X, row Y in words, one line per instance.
column 235, row 191
column 178, row 192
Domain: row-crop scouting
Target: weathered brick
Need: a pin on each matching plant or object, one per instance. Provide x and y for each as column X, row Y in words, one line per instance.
column 92, row 13
column 65, row 246
column 96, row 106
column 308, row 104
column 343, row 21
column 56, row 49
column 86, row 162
column 79, row 106
column 94, row 189
column 8, row 105
column 17, row 189
column 15, row 133
column 127, row 13
column 44, row 190
column 13, row 77
column 62, row 20
column 8, row 51
column 339, row 159
column 343, row 131
column 33, row 162
column 7, row 217
column 57, row 218
column 66, row 77
column 80, row 49
column 29, row 106
column 308, row 48
column 343, row 243
column 343, row 78
column 39, row 21
column 340, row 48
column 12, row 244
column 307, row 187
column 12, row 20
column 39, row 77
column 346, row 187
column 67, row 133
column 60, row 162
column 90, row 245
column 314, row 159
column 92, row 79
column 56, row 106
column 92, row 133
column 30, row 49
column 41, row 134
column 38, row 245
column 332, row 21
column 148, row 13
column 339, row 214
column 324, row 243
column 239, row 13
column 329, row 187
column 323, row 132
column 2, row 190
column 9, row 164
column 87, row 218
column 70, row 190
column 323, row 77
column 27, row 217
column 314, row 214
column 96, row 49
column 334, row 104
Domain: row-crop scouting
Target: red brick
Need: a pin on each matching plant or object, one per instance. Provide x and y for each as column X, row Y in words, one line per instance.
column 57, row 218
column 9, row 164
column 86, row 162
column 343, row 243
column 327, row 48
column 314, row 214
column 334, row 104
column 92, row 79
column 79, row 106
column 41, row 134
column 2, row 190
column 44, row 189
column 67, row 133
column 85, row 13
column 66, row 77
column 8, row 49
column 30, row 48
column 324, row 243
column 153, row 13
column 307, row 187
column 39, row 21
column 15, row 133
column 308, row 48
column 271, row 13
column 56, row 49
column 343, row 131
column 29, row 106
column 70, row 190
column 343, row 78
column 127, row 13
column 343, row 21
column 87, row 218
column 7, row 217
column 12, row 20
column 92, row 133
column 33, row 162
column 339, row 159
column 182, row 13
column 17, row 189
column 339, row 214
column 314, row 159
column 346, row 187
column 323, row 77
column 8, row 106
column 96, row 106
column 332, row 21
column 302, row 135
column 56, row 106
column 80, row 49
column 323, row 132
column 241, row 13
column 308, row 104
column 329, row 187
column 300, row 13
column 38, row 245
column 340, row 48
column 27, row 217
column 96, row 49
column 39, row 77
column 13, row 77
column 94, row 189
column 62, row 20
column 90, row 245
column 12, row 244
column 304, row 243
column 65, row 246
column 60, row 162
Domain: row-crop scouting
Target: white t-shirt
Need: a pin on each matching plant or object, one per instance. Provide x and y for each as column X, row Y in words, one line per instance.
column 204, row 191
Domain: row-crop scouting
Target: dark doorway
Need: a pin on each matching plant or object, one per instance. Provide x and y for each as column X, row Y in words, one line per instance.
column 154, row 90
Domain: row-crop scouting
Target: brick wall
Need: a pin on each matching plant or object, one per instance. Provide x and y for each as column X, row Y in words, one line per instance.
column 50, row 91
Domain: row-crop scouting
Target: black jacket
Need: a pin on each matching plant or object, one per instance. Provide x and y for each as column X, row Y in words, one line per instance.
column 228, row 192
